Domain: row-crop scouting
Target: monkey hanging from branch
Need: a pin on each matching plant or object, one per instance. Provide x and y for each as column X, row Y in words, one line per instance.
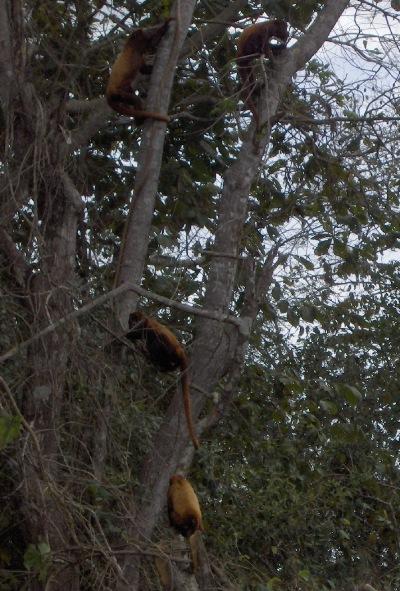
column 131, row 62
column 164, row 350
column 185, row 514
column 254, row 42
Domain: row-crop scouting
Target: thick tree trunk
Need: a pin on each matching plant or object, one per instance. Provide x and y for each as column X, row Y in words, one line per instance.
column 46, row 516
column 34, row 159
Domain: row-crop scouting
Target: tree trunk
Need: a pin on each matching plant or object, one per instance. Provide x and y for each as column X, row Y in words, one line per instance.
column 39, row 174
column 50, row 292
column 134, row 246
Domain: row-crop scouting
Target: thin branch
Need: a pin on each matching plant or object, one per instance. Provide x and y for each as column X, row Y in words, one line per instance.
column 72, row 316
column 186, row 307
column 329, row 120
column 99, row 114
column 76, row 106
column 113, row 294
column 317, row 33
column 227, row 17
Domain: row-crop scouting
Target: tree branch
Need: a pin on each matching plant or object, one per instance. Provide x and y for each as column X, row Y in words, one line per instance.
column 316, row 35
column 99, row 113
column 215, row 27
column 114, row 293
column 328, row 120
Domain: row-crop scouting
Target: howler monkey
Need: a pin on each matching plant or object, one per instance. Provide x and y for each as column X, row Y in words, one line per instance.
column 185, row 514
column 183, row 507
column 252, row 43
column 164, row 350
column 129, row 63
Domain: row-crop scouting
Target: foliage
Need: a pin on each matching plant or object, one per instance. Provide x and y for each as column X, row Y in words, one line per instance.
column 9, row 429
column 312, row 462
column 300, row 481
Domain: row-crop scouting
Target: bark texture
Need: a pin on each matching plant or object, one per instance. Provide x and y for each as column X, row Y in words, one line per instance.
column 34, row 160
column 135, row 241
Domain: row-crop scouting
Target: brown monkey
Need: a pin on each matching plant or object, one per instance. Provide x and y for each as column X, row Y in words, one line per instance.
column 133, row 60
column 183, row 507
column 185, row 514
column 165, row 352
column 252, row 43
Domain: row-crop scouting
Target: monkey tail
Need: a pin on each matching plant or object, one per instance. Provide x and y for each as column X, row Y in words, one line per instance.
column 186, row 403
column 247, row 90
column 116, row 103
column 198, row 551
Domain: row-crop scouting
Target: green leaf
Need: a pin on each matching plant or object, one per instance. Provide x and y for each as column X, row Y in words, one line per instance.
column 349, row 393
column 344, row 535
column 44, row 549
column 323, row 247
column 292, row 317
column 291, row 382
column 276, row 292
column 340, row 249
column 307, row 312
column 283, row 306
column 37, row 559
column 274, row 583
column 304, row 574
column 305, row 262
column 350, row 114
column 329, row 407
column 10, row 427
